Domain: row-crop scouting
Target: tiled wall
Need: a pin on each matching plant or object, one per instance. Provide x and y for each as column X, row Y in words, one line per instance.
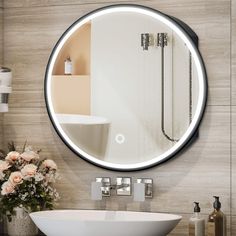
column 32, row 27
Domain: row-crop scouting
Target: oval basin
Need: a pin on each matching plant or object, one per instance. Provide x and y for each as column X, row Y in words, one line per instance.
column 104, row 223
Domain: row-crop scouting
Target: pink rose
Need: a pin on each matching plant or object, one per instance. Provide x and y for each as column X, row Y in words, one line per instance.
column 29, row 155
column 4, row 165
column 29, row 170
column 7, row 188
column 16, row 178
column 50, row 164
column 12, row 156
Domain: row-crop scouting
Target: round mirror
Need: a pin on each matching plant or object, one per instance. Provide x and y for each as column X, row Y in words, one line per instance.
column 125, row 87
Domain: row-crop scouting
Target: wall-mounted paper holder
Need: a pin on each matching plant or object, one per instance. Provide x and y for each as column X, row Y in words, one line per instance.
column 5, row 88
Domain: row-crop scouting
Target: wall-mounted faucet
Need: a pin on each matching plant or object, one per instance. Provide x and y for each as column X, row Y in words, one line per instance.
column 143, row 189
column 122, row 186
column 102, row 187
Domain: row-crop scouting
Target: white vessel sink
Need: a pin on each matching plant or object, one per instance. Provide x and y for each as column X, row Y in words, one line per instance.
column 104, row 223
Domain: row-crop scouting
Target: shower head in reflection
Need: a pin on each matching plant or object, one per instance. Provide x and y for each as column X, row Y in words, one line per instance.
column 147, row 40
column 162, row 39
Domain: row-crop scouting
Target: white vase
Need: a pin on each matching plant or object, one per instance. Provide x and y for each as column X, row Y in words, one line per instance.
column 21, row 224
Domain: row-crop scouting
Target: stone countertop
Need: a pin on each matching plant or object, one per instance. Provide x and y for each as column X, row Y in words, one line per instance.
column 40, row 234
column 7, row 234
column 2, row 231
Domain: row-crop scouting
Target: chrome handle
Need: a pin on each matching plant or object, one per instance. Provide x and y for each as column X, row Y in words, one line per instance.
column 148, row 186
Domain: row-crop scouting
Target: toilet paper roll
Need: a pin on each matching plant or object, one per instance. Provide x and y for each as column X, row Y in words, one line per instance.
column 3, row 107
column 5, row 78
column 4, row 89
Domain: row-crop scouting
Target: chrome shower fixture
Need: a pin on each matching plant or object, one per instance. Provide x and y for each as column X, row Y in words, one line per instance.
column 162, row 39
column 147, row 40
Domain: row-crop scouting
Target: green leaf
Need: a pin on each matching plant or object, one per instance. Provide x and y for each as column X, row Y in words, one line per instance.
column 23, row 149
column 11, row 146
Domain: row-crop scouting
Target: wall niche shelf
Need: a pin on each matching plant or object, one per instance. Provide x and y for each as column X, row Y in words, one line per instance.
column 78, row 49
column 71, row 94
column 71, row 76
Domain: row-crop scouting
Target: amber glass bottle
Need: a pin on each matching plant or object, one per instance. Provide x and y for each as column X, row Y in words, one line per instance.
column 216, row 225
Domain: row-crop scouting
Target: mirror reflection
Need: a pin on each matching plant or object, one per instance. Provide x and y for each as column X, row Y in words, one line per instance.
column 124, row 88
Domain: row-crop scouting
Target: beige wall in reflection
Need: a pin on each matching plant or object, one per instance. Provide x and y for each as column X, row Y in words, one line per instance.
column 77, row 47
column 71, row 94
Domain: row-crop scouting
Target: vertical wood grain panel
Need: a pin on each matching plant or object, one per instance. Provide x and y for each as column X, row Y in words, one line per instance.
column 234, row 163
column 46, row 3
column 233, row 110
column 1, row 34
column 1, row 61
column 31, row 28
column 233, row 230
column 202, row 16
column 1, row 131
column 233, row 52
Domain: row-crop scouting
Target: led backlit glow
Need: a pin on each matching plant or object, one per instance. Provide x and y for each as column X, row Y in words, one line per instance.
column 201, row 84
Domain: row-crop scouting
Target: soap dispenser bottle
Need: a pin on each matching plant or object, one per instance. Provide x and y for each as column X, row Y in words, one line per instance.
column 196, row 222
column 216, row 225
column 68, row 66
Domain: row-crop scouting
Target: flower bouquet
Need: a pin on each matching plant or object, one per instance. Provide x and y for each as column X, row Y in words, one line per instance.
column 26, row 182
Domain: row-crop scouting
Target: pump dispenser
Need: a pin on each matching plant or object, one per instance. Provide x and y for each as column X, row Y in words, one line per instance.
column 216, row 225
column 196, row 222
column 68, row 66
column 217, row 203
column 196, row 207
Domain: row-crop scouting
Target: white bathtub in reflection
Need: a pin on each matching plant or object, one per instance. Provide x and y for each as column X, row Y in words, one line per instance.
column 90, row 133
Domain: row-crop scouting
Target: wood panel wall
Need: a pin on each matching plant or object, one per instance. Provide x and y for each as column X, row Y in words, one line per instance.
column 233, row 113
column 1, row 31
column 207, row 168
column 1, row 61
